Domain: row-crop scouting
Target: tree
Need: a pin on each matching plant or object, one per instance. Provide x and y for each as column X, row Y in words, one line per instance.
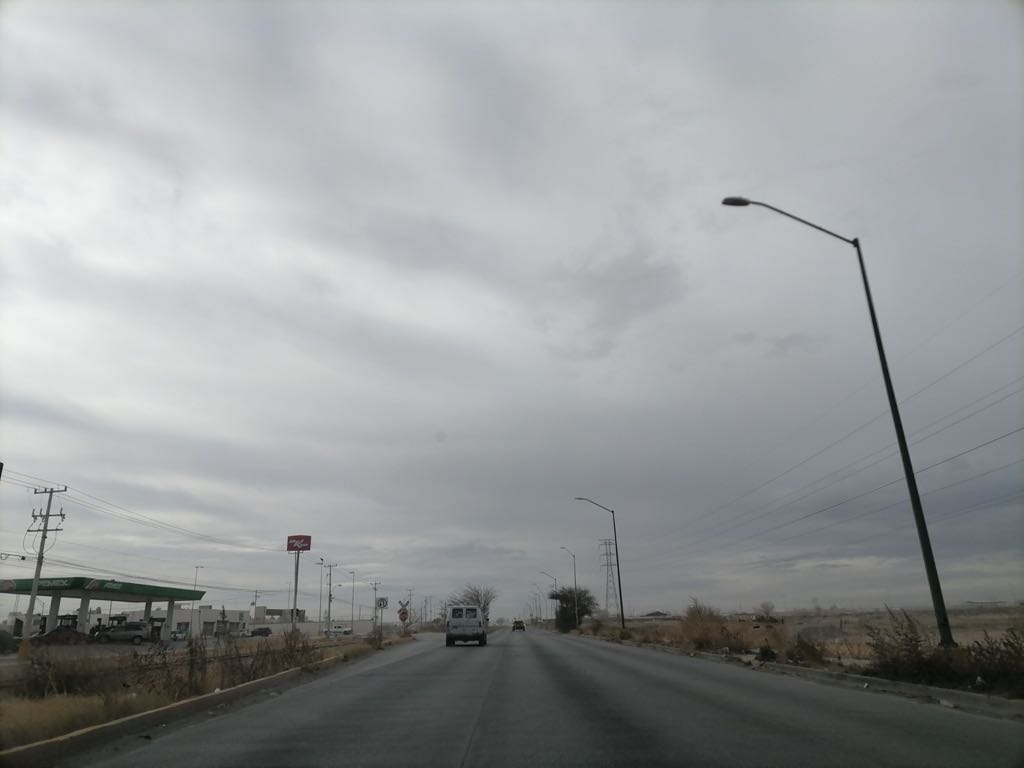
column 767, row 608
column 475, row 594
column 569, row 601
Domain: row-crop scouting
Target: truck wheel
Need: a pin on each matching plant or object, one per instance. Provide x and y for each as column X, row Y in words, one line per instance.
column 483, row 640
column 449, row 642
column 137, row 640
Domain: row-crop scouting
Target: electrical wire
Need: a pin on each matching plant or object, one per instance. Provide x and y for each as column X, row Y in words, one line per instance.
column 690, row 544
column 137, row 518
column 863, row 426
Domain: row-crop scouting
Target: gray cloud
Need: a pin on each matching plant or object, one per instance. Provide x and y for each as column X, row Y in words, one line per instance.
column 412, row 278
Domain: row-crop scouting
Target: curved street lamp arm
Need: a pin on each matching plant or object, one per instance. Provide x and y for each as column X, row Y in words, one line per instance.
column 602, row 506
column 742, row 201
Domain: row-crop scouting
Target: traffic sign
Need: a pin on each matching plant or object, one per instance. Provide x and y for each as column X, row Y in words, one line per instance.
column 382, row 603
column 403, row 615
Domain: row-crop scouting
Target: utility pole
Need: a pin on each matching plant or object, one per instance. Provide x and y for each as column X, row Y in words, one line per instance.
column 320, row 603
column 255, row 598
column 26, row 630
column 378, row 630
column 330, row 589
column 352, row 613
column 575, row 588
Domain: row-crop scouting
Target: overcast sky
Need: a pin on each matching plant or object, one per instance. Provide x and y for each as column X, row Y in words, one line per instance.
column 410, row 278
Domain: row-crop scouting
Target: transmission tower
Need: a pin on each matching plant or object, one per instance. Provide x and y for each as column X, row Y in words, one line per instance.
column 611, row 596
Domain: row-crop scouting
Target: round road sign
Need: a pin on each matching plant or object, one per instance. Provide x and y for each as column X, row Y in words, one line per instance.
column 403, row 615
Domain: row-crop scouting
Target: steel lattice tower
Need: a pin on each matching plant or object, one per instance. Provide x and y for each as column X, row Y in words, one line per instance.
column 611, row 595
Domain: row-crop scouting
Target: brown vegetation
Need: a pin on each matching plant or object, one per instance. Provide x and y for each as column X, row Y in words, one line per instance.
column 990, row 657
column 61, row 692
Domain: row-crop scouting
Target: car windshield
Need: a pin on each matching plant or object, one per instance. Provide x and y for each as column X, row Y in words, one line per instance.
column 335, row 335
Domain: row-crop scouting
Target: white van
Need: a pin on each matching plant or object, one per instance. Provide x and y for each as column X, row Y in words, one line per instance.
column 465, row 623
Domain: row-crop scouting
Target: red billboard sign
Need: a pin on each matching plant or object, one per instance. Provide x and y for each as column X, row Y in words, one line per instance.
column 299, row 543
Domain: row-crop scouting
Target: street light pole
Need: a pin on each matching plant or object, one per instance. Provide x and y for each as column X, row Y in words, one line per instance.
column 939, row 605
column 575, row 588
column 618, row 567
column 192, row 618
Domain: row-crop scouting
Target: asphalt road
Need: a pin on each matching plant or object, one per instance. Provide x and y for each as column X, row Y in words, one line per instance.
column 540, row 699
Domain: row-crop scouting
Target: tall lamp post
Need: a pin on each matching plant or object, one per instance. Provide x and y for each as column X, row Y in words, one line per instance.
column 941, row 617
column 192, row 618
column 575, row 588
column 618, row 567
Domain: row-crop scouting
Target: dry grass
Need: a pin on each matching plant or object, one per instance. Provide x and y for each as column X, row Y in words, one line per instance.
column 990, row 656
column 23, row 721
column 63, row 692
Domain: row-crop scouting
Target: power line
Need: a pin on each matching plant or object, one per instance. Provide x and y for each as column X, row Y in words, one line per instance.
column 138, row 518
column 791, row 497
column 863, row 426
column 699, row 541
column 1001, row 286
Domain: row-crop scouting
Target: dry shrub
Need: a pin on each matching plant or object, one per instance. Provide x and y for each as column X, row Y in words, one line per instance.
column 902, row 650
column 50, row 673
column 805, row 651
column 999, row 663
column 702, row 628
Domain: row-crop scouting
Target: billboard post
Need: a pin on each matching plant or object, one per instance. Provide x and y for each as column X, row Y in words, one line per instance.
column 298, row 544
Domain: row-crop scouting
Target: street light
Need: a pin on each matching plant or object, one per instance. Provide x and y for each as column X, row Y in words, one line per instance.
column 618, row 567
column 575, row 589
column 941, row 617
column 192, row 617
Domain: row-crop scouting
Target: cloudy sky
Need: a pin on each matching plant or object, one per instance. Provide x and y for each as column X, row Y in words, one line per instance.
column 410, row 278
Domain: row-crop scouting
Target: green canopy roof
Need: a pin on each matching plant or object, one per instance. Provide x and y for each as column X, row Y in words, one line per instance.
column 99, row 589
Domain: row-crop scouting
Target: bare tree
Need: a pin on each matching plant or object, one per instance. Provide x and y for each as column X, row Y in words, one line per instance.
column 767, row 609
column 475, row 594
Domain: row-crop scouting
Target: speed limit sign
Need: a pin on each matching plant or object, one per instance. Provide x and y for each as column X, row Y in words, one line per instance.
column 382, row 603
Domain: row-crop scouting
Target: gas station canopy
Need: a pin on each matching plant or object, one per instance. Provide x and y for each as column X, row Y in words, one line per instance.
column 99, row 590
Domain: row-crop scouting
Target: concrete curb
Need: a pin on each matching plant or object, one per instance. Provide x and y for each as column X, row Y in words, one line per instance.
column 976, row 703
column 43, row 754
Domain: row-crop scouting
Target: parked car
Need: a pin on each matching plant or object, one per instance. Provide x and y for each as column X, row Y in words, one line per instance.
column 179, row 634
column 135, row 632
column 61, row 636
column 260, row 632
column 518, row 625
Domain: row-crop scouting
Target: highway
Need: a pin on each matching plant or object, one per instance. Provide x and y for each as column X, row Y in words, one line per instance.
column 541, row 699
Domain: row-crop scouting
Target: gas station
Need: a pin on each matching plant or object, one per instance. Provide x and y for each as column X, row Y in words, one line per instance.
column 87, row 589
